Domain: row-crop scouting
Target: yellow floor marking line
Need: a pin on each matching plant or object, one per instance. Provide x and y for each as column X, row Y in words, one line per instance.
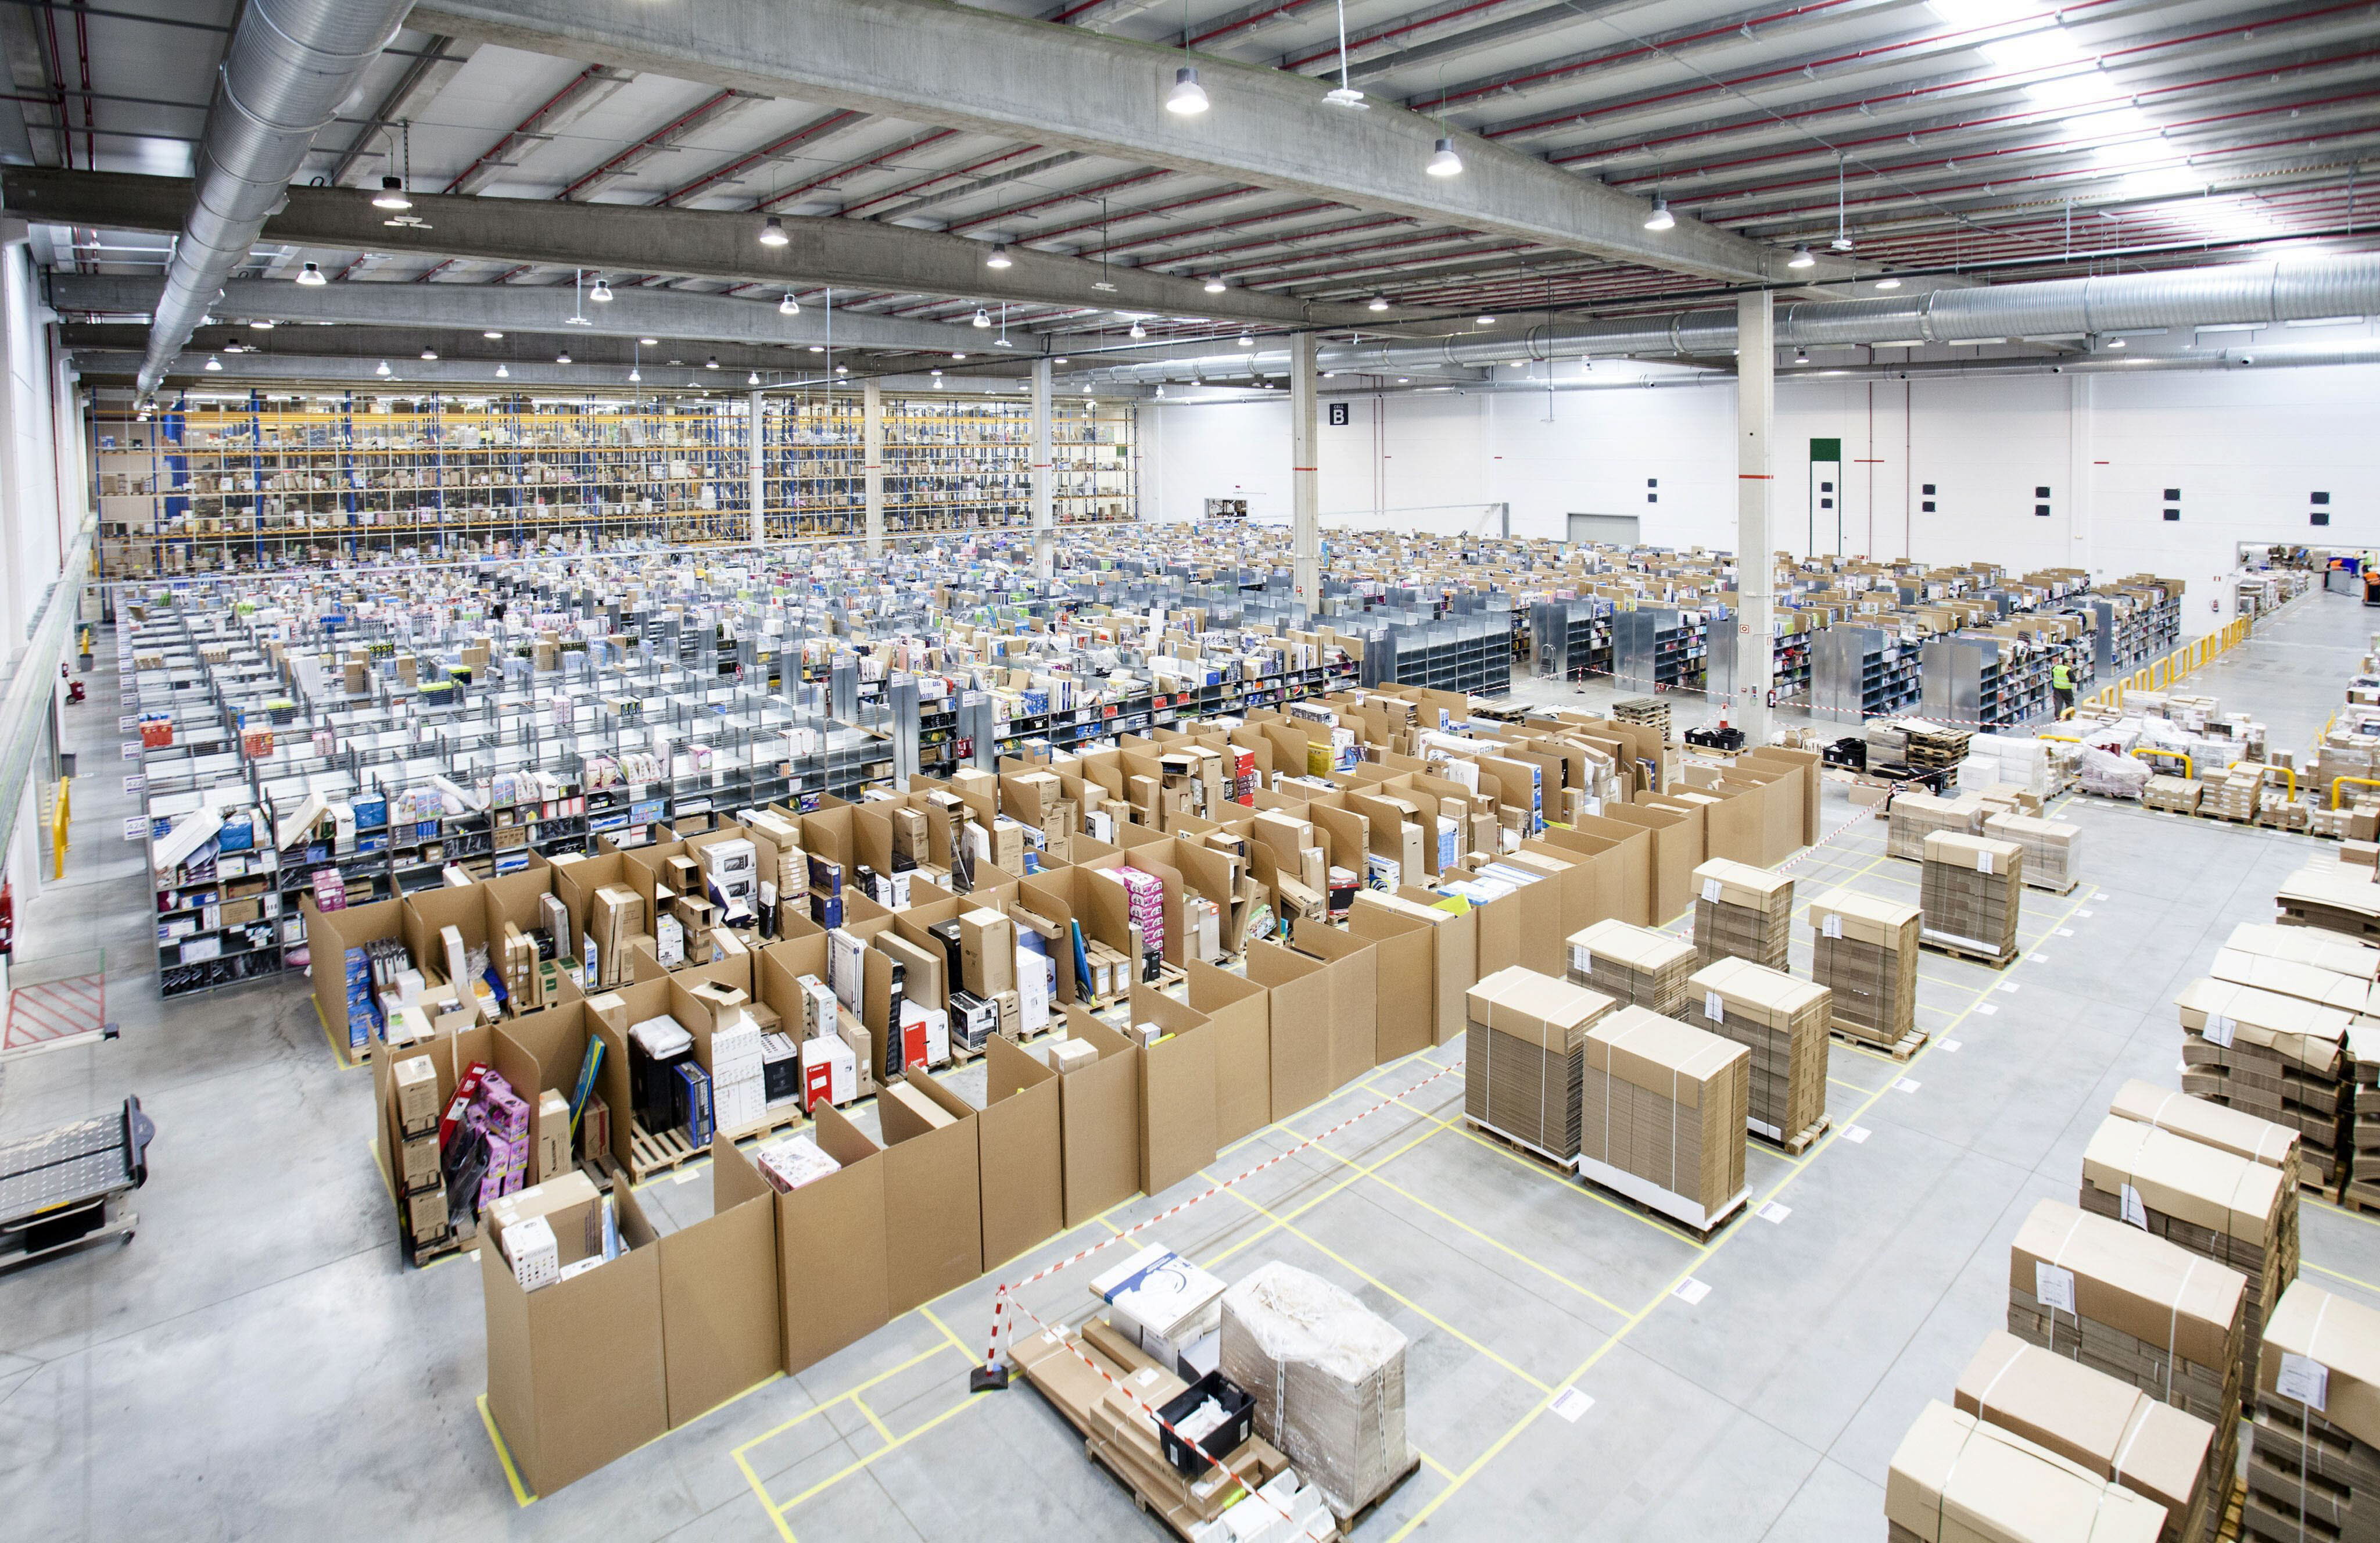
column 1629, row 1325
column 898, row 1442
column 521, row 1495
column 2341, row 1275
column 882, row 1428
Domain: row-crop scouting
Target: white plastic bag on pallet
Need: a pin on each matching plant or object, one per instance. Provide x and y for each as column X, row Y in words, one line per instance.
column 2112, row 776
column 1329, row 1377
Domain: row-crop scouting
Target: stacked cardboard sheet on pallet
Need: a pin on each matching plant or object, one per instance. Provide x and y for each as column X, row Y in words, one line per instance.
column 2313, row 1439
column 2209, row 1123
column 1634, row 964
column 1328, row 1378
column 1661, row 1114
column 2112, row 1428
column 2053, row 848
column 1524, row 1057
column 2216, row 1204
column 1865, row 953
column 1917, row 816
column 1972, row 891
column 2360, row 1123
column 1741, row 912
column 2173, row 794
column 2281, row 1058
column 1783, row 1022
column 2142, row 1310
column 2335, row 896
column 1959, row 1479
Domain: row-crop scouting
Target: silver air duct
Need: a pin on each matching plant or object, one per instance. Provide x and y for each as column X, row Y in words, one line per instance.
column 288, row 67
column 2290, row 290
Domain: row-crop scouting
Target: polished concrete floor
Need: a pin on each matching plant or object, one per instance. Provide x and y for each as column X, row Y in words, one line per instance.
column 256, row 1364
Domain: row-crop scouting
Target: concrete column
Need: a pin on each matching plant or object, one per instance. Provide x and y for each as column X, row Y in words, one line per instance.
column 2080, row 473
column 756, row 462
column 1045, row 523
column 1304, row 473
column 871, row 458
column 1756, row 412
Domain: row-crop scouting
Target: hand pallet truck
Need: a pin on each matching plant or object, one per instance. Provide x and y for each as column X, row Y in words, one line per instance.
column 67, row 1186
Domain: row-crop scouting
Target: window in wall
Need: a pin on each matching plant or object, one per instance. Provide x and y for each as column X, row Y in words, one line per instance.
column 2173, row 514
column 2322, row 516
column 1927, row 489
column 1652, row 482
column 2173, row 496
column 1826, row 504
column 1652, row 498
column 1826, row 486
column 2041, row 493
column 2041, row 511
column 2322, row 498
column 1927, row 508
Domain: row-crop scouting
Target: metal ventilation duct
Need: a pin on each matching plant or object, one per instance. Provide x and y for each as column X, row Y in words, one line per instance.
column 288, row 67
column 2288, row 289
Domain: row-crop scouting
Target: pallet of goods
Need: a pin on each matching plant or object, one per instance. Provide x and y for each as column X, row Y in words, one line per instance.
column 1524, row 1059
column 1972, row 890
column 1632, row 965
column 1864, row 952
column 2333, row 896
column 2053, row 849
column 2281, row 1058
column 1957, row 1479
column 1915, row 816
column 1782, row 1022
column 1662, row 1114
column 2218, row 1205
column 1741, row 912
column 2313, row 1435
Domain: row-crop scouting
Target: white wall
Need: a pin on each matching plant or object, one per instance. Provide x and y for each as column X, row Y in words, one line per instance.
column 2244, row 448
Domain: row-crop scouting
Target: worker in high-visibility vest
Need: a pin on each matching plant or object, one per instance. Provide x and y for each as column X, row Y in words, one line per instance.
column 2061, row 685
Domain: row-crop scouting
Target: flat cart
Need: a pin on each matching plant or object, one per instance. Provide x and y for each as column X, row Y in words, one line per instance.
column 68, row 1186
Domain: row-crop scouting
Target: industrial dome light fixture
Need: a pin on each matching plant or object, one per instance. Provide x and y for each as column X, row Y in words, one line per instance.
column 1215, row 284
column 982, row 318
column 1444, row 161
column 312, row 274
column 382, row 369
column 503, row 374
column 600, row 294
column 561, row 357
column 711, row 363
column 649, row 342
column 635, row 374
column 392, row 194
column 955, row 356
column 1247, row 340
column 1137, row 332
column 1887, row 282
column 1377, row 302
column 213, row 363
column 999, row 258
column 1660, row 218
column 753, row 379
column 261, row 324
column 1483, row 320
column 430, row 353
column 1187, row 98
column 772, row 232
column 494, row 335
column 1801, row 259
column 1801, row 356
column 842, row 370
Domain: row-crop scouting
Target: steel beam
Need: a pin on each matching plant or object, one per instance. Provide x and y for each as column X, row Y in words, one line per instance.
column 424, row 77
column 861, row 254
column 634, row 312
column 981, row 71
column 476, row 376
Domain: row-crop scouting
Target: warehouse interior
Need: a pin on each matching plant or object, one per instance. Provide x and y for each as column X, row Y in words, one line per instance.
column 902, row 769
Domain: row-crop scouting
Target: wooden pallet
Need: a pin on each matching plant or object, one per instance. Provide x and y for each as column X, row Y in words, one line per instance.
column 1794, row 1145
column 785, row 1119
column 649, row 1154
column 2228, row 1526
column 1349, row 1522
column 1901, row 1048
column 1559, row 1167
column 1960, row 951
column 1702, row 1232
column 2358, row 1196
column 427, row 1253
column 2066, row 888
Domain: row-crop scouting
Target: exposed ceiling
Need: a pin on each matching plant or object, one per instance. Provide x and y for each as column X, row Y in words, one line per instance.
column 1967, row 141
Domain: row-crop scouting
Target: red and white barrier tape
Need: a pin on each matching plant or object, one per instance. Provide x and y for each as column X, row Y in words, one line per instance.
column 1000, row 1303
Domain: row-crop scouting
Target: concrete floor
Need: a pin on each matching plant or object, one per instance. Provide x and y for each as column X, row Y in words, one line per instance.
column 258, row 1365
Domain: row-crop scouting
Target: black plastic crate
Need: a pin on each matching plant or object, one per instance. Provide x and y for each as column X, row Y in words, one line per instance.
column 1192, row 1459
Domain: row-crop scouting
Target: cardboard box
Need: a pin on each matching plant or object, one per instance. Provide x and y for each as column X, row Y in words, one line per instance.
column 1662, row 1114
column 1955, row 1480
column 988, row 951
column 934, row 1209
column 1524, row 1057
column 720, row 1296
column 832, row 1249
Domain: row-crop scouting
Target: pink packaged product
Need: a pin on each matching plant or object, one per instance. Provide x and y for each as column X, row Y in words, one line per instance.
column 1146, row 894
column 507, row 1114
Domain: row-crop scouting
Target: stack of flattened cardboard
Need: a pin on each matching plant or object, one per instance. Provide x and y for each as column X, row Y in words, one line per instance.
column 2314, row 1440
column 2216, row 1204
column 1524, row 1057
column 2053, row 849
column 2137, row 1307
column 2333, row 896
column 2173, row 794
column 1329, row 1377
column 2234, row 796
column 1662, row 1114
column 2361, row 1126
column 2281, row 1058
column 1917, row 816
column 2209, row 1123
column 1865, row 953
column 1741, row 912
column 1782, row 1021
column 1959, row 1479
column 1972, row 891
column 2114, row 1430
column 1634, row 964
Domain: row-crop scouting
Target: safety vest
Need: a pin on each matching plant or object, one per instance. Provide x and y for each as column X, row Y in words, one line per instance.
column 2061, row 679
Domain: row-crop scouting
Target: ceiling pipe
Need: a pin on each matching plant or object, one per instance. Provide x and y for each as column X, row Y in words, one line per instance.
column 2270, row 292
column 284, row 74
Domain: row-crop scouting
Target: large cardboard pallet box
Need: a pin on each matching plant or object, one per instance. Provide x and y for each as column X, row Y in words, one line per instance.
column 1632, row 965
column 1662, row 1116
column 1865, row 952
column 1525, row 1058
column 1742, row 912
column 1957, row 1479
column 2313, row 1439
column 1782, row 1021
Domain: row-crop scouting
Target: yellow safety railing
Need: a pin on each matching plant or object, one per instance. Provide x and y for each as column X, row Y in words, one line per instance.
column 2188, row 768
column 2336, row 783
column 2161, row 674
column 60, row 816
column 2291, row 774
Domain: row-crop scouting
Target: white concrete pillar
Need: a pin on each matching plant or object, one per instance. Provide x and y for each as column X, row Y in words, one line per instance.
column 1756, row 412
column 1304, row 473
column 1045, row 523
column 2081, row 473
column 872, row 459
column 755, row 465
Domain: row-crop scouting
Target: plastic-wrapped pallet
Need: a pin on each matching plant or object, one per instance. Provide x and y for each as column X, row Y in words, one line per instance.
column 2112, row 775
column 1329, row 1377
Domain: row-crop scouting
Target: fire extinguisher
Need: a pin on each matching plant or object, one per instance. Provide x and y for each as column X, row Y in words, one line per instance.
column 7, row 916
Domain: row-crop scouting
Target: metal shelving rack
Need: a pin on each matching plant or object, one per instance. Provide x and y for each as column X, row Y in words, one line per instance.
column 1660, row 649
column 1858, row 673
